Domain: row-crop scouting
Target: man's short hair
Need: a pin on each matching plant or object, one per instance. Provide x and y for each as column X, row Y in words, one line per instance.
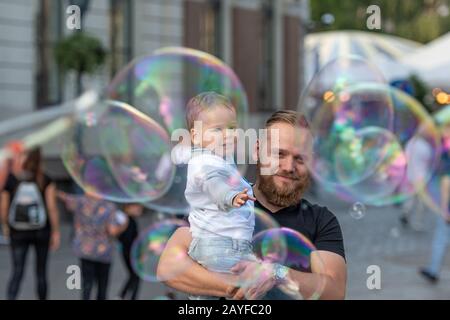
column 288, row 116
column 204, row 101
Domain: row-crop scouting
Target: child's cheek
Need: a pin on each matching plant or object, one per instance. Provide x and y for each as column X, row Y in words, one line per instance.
column 209, row 139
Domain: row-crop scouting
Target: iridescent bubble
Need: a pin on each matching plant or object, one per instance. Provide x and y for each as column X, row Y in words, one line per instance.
column 361, row 153
column 374, row 168
column 334, row 122
column 150, row 244
column 418, row 136
column 357, row 210
column 342, row 72
column 291, row 249
column 335, row 76
column 161, row 84
column 378, row 163
column 118, row 153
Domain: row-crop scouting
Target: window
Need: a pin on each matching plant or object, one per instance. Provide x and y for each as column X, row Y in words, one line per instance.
column 121, row 34
column 202, row 26
column 49, row 31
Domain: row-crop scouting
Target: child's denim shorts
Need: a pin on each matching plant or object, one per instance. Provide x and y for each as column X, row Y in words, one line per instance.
column 219, row 254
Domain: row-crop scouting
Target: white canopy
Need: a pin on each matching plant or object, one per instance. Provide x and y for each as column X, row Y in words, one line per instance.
column 384, row 51
column 432, row 62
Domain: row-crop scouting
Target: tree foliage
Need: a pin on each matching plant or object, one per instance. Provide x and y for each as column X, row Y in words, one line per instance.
column 80, row 52
column 419, row 20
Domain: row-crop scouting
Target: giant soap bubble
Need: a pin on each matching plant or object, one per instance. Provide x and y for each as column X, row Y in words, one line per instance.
column 379, row 165
column 160, row 85
column 118, row 153
column 366, row 135
column 335, row 110
column 147, row 249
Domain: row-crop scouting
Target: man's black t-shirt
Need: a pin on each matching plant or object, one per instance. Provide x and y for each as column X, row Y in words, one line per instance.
column 316, row 223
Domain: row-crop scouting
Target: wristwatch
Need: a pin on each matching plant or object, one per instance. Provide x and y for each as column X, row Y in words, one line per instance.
column 280, row 273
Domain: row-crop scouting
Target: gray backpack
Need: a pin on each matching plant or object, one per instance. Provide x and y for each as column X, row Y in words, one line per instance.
column 27, row 209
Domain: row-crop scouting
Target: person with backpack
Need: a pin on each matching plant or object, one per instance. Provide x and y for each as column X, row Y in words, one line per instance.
column 29, row 217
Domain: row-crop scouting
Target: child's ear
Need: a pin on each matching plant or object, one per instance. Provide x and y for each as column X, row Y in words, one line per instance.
column 194, row 136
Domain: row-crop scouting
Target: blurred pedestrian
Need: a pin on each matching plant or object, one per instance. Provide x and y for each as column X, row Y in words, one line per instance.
column 413, row 213
column 131, row 286
column 29, row 217
column 442, row 230
column 97, row 224
column 419, row 157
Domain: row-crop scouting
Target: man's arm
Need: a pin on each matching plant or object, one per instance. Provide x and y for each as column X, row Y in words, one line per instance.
column 195, row 280
column 328, row 268
column 328, row 277
column 327, row 281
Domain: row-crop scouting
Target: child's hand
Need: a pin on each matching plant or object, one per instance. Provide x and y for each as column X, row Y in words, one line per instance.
column 241, row 198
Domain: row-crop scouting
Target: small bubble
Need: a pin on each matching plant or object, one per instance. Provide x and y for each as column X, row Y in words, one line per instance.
column 357, row 210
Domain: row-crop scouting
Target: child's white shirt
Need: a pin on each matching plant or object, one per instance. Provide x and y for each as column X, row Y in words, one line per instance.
column 212, row 183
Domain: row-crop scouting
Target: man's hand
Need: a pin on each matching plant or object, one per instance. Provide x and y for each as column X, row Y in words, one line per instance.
column 255, row 279
column 241, row 198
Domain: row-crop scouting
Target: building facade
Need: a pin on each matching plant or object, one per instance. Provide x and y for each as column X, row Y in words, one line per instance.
column 262, row 40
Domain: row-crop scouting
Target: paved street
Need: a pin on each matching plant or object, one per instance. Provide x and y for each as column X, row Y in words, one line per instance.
column 376, row 239
column 379, row 239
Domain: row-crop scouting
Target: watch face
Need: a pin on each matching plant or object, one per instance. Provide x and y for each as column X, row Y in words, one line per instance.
column 280, row 272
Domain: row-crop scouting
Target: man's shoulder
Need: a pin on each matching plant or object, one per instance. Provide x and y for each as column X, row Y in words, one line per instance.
column 327, row 231
column 315, row 209
column 320, row 215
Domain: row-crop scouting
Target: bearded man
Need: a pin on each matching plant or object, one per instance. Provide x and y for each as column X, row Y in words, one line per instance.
column 279, row 194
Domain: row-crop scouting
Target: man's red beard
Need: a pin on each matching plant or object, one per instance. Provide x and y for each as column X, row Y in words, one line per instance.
column 286, row 195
